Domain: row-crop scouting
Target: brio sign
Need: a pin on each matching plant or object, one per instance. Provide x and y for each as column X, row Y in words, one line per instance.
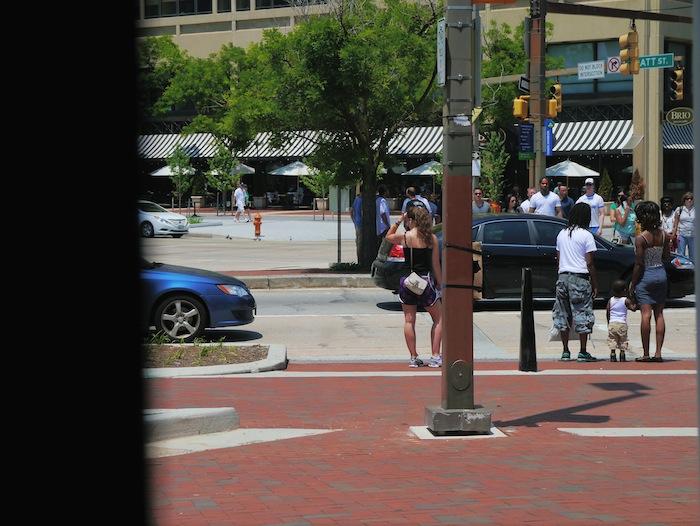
column 680, row 116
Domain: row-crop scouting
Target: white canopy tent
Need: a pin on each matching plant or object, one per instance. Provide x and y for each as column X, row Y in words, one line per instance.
column 570, row 169
column 295, row 169
column 166, row 172
column 240, row 168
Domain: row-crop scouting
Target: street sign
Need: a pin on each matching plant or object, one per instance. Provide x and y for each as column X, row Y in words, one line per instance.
column 441, row 52
column 656, row 61
column 524, row 84
column 526, row 156
column 527, row 137
column 612, row 65
column 591, row 70
column 548, row 143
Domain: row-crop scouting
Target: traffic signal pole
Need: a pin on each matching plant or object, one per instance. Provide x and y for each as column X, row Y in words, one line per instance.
column 457, row 412
column 538, row 108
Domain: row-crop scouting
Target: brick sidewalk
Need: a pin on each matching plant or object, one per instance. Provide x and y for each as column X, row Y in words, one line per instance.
column 374, row 471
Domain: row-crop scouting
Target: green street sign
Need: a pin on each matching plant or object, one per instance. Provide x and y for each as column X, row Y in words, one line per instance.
column 526, row 156
column 656, row 61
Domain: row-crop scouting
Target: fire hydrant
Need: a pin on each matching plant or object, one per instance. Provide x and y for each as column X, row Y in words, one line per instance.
column 257, row 221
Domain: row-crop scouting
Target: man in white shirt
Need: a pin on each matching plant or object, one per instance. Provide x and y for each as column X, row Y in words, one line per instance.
column 577, row 284
column 239, row 198
column 544, row 202
column 525, row 205
column 597, row 207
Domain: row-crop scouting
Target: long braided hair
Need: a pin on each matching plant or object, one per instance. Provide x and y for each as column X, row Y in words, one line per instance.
column 580, row 216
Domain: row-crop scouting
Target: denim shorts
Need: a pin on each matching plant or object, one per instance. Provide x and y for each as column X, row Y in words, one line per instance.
column 573, row 306
column 430, row 295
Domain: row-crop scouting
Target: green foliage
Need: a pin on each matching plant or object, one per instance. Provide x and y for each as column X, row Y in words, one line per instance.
column 319, row 182
column 159, row 60
column 182, row 172
column 359, row 74
column 193, row 220
column 158, row 338
column 503, row 55
column 494, row 160
column 439, row 170
column 606, row 187
column 220, row 175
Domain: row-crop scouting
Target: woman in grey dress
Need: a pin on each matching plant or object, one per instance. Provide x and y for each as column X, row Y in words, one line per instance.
column 648, row 286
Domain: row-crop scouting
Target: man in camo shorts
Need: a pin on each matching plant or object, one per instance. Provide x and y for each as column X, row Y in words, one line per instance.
column 577, row 284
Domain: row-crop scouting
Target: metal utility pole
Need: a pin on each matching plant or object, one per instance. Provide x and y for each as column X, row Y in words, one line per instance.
column 457, row 412
column 538, row 108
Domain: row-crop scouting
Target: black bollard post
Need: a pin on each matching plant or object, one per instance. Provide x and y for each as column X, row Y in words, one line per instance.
column 528, row 353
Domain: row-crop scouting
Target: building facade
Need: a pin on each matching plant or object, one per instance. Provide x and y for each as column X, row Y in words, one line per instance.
column 616, row 123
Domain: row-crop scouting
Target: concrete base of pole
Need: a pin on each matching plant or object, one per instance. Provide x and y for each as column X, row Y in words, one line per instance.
column 443, row 421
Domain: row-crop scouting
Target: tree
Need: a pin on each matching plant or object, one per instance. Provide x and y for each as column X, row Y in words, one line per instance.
column 503, row 55
column 637, row 186
column 358, row 75
column 182, row 172
column 606, row 187
column 221, row 174
column 494, row 159
column 319, row 183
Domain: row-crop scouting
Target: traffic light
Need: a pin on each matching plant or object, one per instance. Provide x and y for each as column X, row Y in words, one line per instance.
column 555, row 91
column 520, row 107
column 629, row 53
column 676, row 84
column 551, row 108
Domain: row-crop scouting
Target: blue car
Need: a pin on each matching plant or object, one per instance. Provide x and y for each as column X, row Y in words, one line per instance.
column 182, row 302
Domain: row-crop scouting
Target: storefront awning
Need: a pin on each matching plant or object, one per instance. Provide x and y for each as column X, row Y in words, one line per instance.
column 591, row 136
column 678, row 137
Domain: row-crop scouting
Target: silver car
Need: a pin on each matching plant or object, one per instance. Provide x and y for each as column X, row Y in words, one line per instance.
column 156, row 220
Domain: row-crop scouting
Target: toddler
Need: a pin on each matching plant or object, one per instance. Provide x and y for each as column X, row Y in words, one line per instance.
column 616, row 313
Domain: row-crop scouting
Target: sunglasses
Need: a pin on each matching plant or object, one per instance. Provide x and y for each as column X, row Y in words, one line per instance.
column 689, row 198
column 477, row 193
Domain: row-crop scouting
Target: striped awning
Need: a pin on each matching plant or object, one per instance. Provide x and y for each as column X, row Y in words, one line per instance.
column 591, row 136
column 161, row 146
column 408, row 141
column 678, row 137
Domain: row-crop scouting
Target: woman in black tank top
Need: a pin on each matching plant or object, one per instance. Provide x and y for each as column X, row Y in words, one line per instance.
column 422, row 257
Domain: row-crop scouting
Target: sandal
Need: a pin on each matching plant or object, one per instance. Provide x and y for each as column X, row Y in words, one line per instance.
column 622, row 356
column 643, row 359
column 656, row 359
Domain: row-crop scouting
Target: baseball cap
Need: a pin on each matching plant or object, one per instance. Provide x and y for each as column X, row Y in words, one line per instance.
column 589, row 181
column 414, row 202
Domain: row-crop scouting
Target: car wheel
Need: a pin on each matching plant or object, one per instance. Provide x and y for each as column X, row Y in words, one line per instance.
column 147, row 229
column 177, row 235
column 181, row 317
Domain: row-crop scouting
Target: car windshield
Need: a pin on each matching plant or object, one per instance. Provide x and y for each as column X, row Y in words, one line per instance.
column 146, row 206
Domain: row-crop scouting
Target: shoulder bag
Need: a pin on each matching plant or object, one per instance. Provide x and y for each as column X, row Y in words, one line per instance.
column 413, row 281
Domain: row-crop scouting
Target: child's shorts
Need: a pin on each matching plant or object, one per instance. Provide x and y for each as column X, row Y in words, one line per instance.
column 617, row 336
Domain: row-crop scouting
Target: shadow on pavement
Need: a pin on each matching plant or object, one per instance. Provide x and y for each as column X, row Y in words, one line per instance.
column 570, row 414
column 230, row 335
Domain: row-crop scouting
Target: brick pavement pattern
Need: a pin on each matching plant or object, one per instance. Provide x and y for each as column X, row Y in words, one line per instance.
column 375, row 471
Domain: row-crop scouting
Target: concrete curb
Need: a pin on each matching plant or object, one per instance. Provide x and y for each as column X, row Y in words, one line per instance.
column 303, row 281
column 206, row 223
column 163, row 424
column 276, row 359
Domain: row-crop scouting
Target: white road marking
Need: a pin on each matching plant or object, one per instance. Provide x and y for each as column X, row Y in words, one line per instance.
column 225, row 439
column 631, row 431
column 423, row 433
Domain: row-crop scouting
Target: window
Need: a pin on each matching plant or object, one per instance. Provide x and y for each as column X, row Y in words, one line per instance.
column 186, row 7
column 223, row 6
column 242, row 5
column 547, row 233
column 270, row 4
column 152, row 8
column 576, row 52
column 168, row 8
column 506, row 233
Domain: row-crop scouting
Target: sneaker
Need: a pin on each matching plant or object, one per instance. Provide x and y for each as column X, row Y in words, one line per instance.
column 586, row 357
column 415, row 362
column 565, row 356
column 435, row 361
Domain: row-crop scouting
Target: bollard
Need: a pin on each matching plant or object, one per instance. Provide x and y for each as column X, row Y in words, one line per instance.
column 528, row 353
column 257, row 221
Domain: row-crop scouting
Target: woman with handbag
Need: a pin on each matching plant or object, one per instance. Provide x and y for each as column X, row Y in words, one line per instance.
column 422, row 286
